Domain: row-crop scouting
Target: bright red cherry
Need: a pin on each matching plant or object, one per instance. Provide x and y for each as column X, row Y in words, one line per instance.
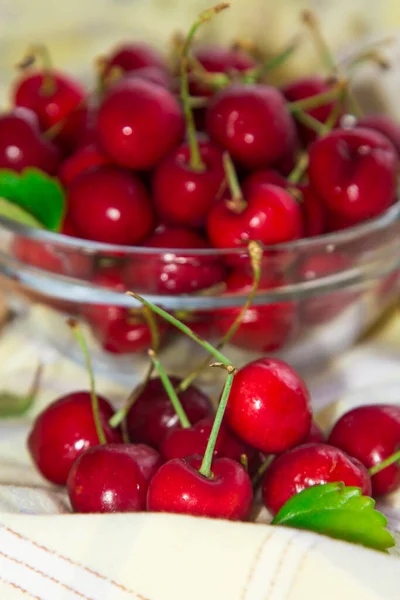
column 171, row 271
column 269, row 406
column 269, row 214
column 132, row 56
column 252, row 123
column 22, row 145
column 139, row 123
column 264, row 328
column 85, row 158
column 371, row 434
column 272, row 176
column 354, row 172
column 307, row 87
column 111, row 205
column 182, row 443
column 309, row 465
column 106, row 479
column 153, row 416
column 64, row 430
column 194, row 191
column 384, row 125
column 178, row 487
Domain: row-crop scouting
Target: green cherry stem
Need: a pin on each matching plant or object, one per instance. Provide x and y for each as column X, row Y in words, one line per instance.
column 257, row 73
column 41, row 52
column 256, row 252
column 196, row 163
column 390, row 460
column 299, row 169
column 76, row 328
column 317, row 100
column 261, row 470
column 169, row 388
column 310, row 19
column 205, row 468
column 236, row 203
column 310, row 122
column 183, row 328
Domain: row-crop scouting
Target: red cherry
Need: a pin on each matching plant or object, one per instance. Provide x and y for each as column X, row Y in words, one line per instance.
column 22, row 145
column 269, row 406
column 85, row 158
column 272, row 176
column 354, row 172
column 314, row 212
column 152, row 74
column 384, row 125
column 182, row 443
column 309, row 465
column 371, row 434
column 271, row 216
column 306, row 88
column 252, row 123
column 263, row 328
column 139, row 123
column 173, row 272
column 135, row 55
column 106, row 479
column 64, row 430
column 178, row 487
column 153, row 416
column 110, row 205
column 316, row 435
column 194, row 192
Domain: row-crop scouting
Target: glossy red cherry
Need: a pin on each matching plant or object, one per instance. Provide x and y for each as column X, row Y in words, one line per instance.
column 272, row 176
column 383, row 124
column 269, row 406
column 135, row 55
column 252, row 123
column 64, row 430
column 153, row 416
column 182, row 443
column 263, row 328
column 106, row 479
column 22, row 145
column 110, row 205
column 354, row 172
column 85, row 158
column 178, row 487
column 309, row 465
column 139, row 123
column 307, row 87
column 270, row 215
column 171, row 271
column 316, row 435
column 193, row 191
column 371, row 434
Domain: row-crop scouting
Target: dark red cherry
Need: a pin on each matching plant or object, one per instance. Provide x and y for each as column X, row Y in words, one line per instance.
column 384, row 125
column 152, row 74
column 316, row 435
column 64, row 430
column 178, row 487
column 85, row 158
column 107, row 479
column 22, row 145
column 252, row 123
column 139, row 123
column 269, row 406
column 109, row 204
column 354, row 172
column 194, row 191
column 314, row 212
column 309, row 465
column 132, row 56
column 172, row 271
column 272, row 176
column 371, row 434
column 153, row 416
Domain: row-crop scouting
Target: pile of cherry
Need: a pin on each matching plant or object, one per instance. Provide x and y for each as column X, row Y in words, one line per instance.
column 173, row 454
column 197, row 154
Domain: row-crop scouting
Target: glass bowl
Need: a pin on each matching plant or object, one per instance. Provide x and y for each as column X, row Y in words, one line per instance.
column 318, row 295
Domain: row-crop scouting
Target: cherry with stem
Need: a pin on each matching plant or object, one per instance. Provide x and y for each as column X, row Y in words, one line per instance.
column 76, row 329
column 390, row 460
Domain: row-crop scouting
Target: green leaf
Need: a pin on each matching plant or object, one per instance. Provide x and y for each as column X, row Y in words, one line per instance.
column 15, row 213
column 36, row 193
column 338, row 512
column 14, row 405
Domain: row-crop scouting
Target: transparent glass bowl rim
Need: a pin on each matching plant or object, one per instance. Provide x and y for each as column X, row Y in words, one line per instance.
column 91, row 247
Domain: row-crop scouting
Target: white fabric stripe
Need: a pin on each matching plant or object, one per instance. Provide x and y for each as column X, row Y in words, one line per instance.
column 85, row 585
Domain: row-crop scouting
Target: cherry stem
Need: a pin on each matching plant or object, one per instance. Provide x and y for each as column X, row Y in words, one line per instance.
column 183, row 328
column 169, row 388
column 196, row 163
column 257, row 73
column 310, row 122
column 76, row 328
column 310, row 19
column 390, row 460
column 317, row 100
column 257, row 477
column 256, row 252
column 40, row 51
column 237, row 202
column 299, row 170
column 205, row 468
